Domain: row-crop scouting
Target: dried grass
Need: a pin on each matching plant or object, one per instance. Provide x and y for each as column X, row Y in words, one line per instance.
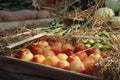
column 109, row 68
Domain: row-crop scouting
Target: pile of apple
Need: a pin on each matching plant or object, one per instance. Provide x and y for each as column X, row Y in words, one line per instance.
column 66, row 56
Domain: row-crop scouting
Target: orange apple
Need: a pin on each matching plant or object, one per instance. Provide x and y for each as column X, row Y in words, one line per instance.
column 51, row 60
column 38, row 59
column 88, row 62
column 82, row 55
column 48, row 53
column 77, row 66
column 62, row 56
column 25, row 54
column 96, row 57
column 62, row 64
column 104, row 55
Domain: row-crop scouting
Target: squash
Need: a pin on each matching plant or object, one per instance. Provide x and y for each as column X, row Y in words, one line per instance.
column 113, row 4
column 104, row 12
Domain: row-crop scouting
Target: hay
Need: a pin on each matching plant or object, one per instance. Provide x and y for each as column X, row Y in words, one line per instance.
column 109, row 69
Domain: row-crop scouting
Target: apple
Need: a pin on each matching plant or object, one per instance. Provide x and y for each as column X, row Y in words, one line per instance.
column 89, row 71
column 77, row 66
column 69, row 52
column 89, row 51
column 57, row 50
column 62, row 56
column 67, row 46
column 104, row 55
column 51, row 60
column 96, row 51
column 44, row 45
column 56, row 47
column 48, row 53
column 25, row 54
column 93, row 51
column 79, row 48
column 88, row 62
column 82, row 55
column 72, row 58
column 35, row 49
column 96, row 57
column 56, row 44
column 38, row 59
column 62, row 64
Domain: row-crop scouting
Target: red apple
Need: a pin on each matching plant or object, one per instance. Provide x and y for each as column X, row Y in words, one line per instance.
column 38, row 59
column 82, row 55
column 51, row 60
column 72, row 58
column 25, row 54
column 79, row 48
column 35, row 49
column 77, row 66
column 62, row 56
column 69, row 52
column 62, row 64
column 57, row 50
column 89, row 51
column 89, row 71
column 93, row 51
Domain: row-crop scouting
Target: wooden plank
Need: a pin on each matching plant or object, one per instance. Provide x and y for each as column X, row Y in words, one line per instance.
column 9, row 48
column 18, row 66
column 24, row 41
column 16, row 24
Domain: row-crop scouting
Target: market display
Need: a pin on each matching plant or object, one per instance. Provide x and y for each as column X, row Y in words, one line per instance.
column 75, row 58
column 84, row 40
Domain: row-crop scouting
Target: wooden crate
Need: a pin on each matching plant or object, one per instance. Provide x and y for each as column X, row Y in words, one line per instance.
column 15, row 65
